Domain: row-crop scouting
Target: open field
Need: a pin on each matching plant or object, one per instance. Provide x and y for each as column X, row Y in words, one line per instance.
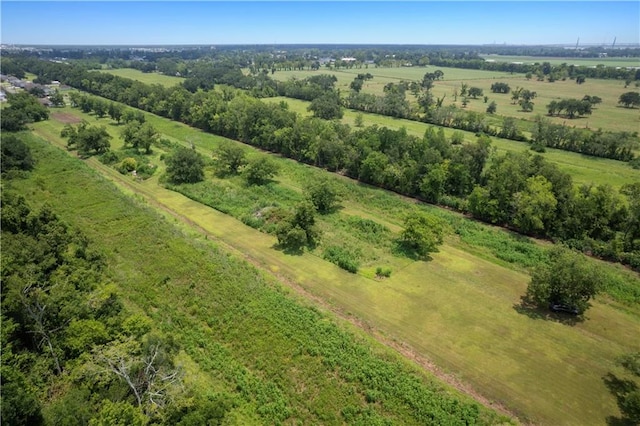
column 458, row 310
column 243, row 336
column 583, row 168
column 145, row 77
column 607, row 115
column 553, row 60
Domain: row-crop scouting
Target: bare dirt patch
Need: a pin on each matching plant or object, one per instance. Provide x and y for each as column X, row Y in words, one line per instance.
column 65, row 117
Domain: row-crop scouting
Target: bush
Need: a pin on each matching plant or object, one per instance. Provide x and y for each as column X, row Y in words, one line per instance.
column 383, row 272
column 342, row 257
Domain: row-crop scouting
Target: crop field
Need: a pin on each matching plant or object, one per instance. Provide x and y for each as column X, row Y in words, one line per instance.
column 607, row 116
column 583, row 168
column 460, row 310
column 145, row 77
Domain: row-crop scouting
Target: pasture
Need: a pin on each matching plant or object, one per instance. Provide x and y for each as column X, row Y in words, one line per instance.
column 145, row 77
column 553, row 60
column 459, row 310
column 607, row 116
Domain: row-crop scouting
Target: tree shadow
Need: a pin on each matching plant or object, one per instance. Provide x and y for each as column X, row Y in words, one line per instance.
column 403, row 250
column 532, row 310
column 292, row 251
column 619, row 388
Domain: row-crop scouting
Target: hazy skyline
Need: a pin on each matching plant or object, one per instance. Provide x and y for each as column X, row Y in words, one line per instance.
column 305, row 22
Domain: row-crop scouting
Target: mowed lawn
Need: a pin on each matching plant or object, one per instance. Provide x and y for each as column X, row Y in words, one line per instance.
column 583, row 168
column 145, row 77
column 458, row 310
column 607, row 116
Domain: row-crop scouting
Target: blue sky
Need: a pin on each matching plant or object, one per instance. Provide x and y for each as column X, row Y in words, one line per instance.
column 266, row 22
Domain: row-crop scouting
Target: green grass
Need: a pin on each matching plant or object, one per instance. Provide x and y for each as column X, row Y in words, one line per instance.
column 607, row 115
column 583, row 168
column 460, row 309
column 278, row 359
column 588, row 62
column 145, row 77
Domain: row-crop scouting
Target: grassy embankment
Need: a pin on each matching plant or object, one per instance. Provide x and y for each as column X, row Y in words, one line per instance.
column 455, row 309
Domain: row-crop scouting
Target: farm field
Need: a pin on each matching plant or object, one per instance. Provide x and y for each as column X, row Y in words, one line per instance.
column 583, row 169
column 145, row 77
column 454, row 310
column 607, row 115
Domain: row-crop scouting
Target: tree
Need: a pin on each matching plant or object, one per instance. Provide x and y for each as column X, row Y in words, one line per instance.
column 492, row 107
column 474, row 92
column 580, row 79
column 86, row 138
column 327, row 106
column 629, row 397
column 115, row 111
column 15, row 154
column 260, row 170
column 535, row 206
column 299, row 229
column 139, row 135
column 185, row 166
column 230, row 157
column 630, row 99
column 323, row 193
column 422, row 233
column 568, row 279
column 500, row 88
column 433, row 184
column 57, row 99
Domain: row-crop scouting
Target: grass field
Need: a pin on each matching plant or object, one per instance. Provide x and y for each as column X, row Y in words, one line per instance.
column 145, row 77
column 458, row 310
column 588, row 62
column 583, row 168
column 607, row 115
column 243, row 335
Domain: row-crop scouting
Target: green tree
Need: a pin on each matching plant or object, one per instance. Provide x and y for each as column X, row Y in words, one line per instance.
column 629, row 399
column 118, row 414
column 299, row 229
column 327, row 106
column 474, row 92
column 57, row 99
column 324, row 194
column 535, row 206
column 185, row 166
column 139, row 135
column 230, row 157
column 432, row 186
column 15, row 154
column 260, row 170
column 422, row 233
column 630, row 99
column 568, row 279
column 115, row 111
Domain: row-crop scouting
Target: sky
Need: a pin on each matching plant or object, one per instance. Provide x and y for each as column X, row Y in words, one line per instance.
column 319, row 22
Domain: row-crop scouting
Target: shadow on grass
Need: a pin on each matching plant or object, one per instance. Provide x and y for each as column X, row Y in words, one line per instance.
column 403, row 250
column 619, row 388
column 533, row 311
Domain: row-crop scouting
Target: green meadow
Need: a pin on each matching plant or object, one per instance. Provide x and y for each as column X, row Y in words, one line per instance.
column 145, row 77
column 459, row 311
column 607, row 116
column 587, row 62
